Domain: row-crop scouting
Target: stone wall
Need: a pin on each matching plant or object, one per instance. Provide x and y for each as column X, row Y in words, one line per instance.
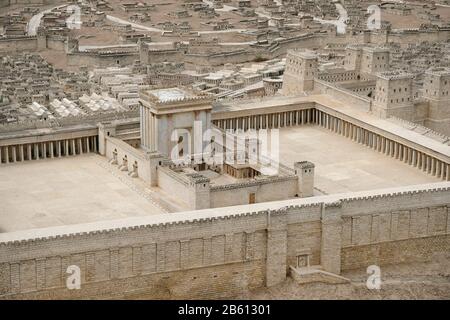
column 97, row 60
column 404, row 37
column 133, row 155
column 18, row 44
column 342, row 94
column 174, row 184
column 225, row 251
column 236, row 194
column 33, row 2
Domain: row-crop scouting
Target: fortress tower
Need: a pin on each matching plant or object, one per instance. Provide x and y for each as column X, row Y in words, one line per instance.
column 301, row 68
column 352, row 59
column 393, row 95
column 305, row 173
column 168, row 117
column 366, row 59
column 436, row 90
column 374, row 60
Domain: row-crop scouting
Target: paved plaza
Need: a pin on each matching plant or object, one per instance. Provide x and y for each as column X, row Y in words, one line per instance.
column 343, row 165
column 65, row 191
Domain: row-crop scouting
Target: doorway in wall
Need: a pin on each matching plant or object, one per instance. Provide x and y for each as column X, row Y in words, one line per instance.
column 252, row 198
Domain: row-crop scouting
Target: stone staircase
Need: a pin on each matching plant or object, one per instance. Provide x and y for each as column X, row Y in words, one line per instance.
column 315, row 274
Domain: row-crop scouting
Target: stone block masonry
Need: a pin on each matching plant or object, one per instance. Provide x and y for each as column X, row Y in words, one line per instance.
column 222, row 252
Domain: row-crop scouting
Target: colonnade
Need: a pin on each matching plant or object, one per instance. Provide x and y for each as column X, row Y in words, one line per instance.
column 47, row 149
column 375, row 141
column 389, row 147
column 265, row 121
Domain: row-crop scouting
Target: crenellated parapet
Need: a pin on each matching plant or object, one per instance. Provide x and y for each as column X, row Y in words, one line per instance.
column 262, row 240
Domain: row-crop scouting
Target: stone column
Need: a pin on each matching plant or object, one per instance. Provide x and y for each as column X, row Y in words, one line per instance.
column 29, row 155
column 80, row 146
column 44, row 150
column 95, row 144
column 330, row 251
column 72, row 142
column 58, row 148
column 420, row 160
column 51, row 149
column 13, row 153
column 437, row 171
column 66, row 147
column 22, row 153
column 1, row 159
column 88, row 149
column 7, row 154
column 36, row 151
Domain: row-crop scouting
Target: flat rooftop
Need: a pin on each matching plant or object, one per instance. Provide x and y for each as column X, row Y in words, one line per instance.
column 342, row 165
column 216, row 179
column 57, row 192
column 170, row 94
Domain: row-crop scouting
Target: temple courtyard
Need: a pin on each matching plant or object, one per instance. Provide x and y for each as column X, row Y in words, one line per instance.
column 56, row 192
column 343, row 165
column 83, row 189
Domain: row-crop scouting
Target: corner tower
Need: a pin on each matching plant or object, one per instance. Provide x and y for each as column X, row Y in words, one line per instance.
column 393, row 95
column 301, row 68
column 436, row 91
